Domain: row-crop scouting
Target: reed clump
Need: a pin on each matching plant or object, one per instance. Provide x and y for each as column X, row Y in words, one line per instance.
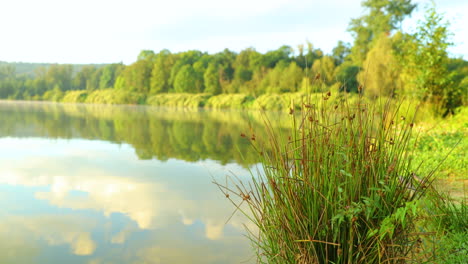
column 337, row 188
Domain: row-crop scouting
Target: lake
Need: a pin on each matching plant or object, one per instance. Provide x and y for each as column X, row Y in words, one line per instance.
column 121, row 184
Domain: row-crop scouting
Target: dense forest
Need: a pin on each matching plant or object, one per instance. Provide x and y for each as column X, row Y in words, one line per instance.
column 382, row 61
column 30, row 69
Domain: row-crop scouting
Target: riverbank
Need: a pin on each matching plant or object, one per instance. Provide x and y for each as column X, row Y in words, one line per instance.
column 275, row 102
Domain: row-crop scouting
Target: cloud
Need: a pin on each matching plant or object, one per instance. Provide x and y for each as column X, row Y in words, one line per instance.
column 113, row 31
column 179, row 192
column 53, row 229
column 114, row 207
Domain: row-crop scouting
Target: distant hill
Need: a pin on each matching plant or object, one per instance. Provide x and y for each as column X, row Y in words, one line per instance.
column 27, row 68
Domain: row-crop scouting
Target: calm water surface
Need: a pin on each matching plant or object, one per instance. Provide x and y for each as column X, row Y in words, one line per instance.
column 113, row 184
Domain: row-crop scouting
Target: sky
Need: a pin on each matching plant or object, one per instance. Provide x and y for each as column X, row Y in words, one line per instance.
column 109, row 31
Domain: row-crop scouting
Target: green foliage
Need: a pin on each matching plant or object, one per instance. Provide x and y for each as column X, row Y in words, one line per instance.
column 307, row 60
column 229, row 101
column 178, row 100
column 83, row 80
column 386, row 62
column 30, row 70
column 136, row 77
column 112, row 96
column 379, row 76
column 449, row 216
column 247, row 64
column 382, row 16
column 283, row 102
column 161, row 72
column 347, row 74
column 186, row 80
column 282, row 79
column 54, row 95
column 325, row 68
column 75, row 97
column 341, row 52
column 59, row 77
column 335, row 188
column 292, row 78
column 186, row 58
column 438, row 139
column 211, row 79
column 271, row 58
column 425, row 61
column 453, row 248
column 109, row 75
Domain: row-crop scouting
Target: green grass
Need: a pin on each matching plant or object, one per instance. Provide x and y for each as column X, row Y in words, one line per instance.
column 350, row 184
column 440, row 137
column 447, row 218
column 338, row 188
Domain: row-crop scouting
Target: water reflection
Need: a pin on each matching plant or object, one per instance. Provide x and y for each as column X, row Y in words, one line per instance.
column 152, row 132
column 69, row 193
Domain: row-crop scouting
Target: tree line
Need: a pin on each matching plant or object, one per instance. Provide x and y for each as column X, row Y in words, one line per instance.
column 382, row 61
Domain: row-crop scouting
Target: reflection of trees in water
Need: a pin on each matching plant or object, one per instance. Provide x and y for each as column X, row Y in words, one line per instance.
column 154, row 133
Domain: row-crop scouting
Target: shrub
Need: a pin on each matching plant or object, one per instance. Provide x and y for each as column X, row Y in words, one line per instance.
column 229, row 101
column 113, row 96
column 75, row 97
column 178, row 100
column 338, row 188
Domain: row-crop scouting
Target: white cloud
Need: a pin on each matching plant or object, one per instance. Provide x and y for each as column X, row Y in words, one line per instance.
column 54, row 229
column 111, row 187
column 112, row 31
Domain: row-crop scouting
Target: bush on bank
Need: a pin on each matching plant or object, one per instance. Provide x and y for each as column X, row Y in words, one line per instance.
column 340, row 187
column 112, row 96
column 178, row 100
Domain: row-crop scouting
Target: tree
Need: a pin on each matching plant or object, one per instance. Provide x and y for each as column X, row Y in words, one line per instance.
column 109, row 75
column 7, row 72
column 380, row 72
column 147, row 55
column 341, row 52
column 312, row 55
column 425, row 63
column 271, row 82
column 136, row 77
column 458, row 68
column 60, row 77
column 200, row 67
column 185, row 58
column 211, row 79
column 383, row 16
column 161, row 72
column 346, row 74
column 325, row 66
column 185, row 80
column 83, row 77
column 291, row 79
column 271, row 58
column 93, row 82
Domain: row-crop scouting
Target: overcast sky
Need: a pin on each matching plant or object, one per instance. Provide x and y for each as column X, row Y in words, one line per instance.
column 106, row 31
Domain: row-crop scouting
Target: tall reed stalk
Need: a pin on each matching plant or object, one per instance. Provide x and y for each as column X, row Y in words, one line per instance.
column 337, row 188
